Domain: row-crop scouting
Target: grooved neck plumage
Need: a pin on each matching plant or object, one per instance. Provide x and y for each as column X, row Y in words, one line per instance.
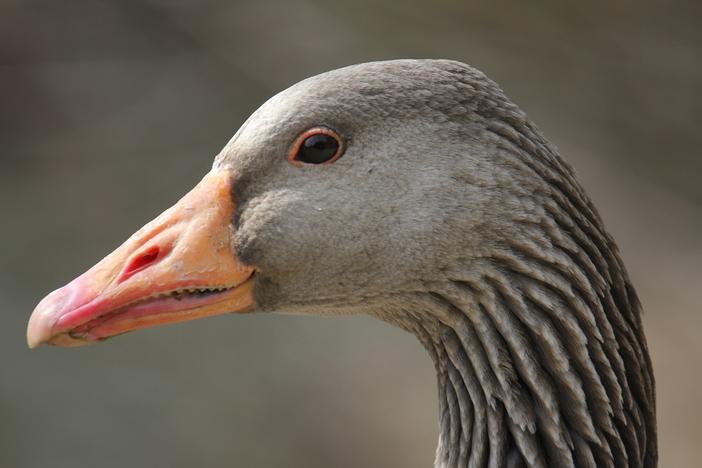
column 525, row 378
column 539, row 349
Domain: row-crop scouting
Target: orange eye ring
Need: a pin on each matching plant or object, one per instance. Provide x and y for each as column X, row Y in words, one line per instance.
column 318, row 145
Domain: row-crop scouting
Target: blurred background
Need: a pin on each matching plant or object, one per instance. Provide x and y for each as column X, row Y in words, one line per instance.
column 111, row 110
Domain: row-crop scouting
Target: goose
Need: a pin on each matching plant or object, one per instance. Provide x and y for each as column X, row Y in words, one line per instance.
column 416, row 192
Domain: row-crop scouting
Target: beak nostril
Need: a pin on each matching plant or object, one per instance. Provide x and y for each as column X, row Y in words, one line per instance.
column 140, row 262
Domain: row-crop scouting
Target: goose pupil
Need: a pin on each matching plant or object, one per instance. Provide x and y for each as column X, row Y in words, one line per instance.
column 317, row 149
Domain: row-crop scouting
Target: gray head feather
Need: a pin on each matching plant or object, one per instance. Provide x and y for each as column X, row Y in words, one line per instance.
column 450, row 216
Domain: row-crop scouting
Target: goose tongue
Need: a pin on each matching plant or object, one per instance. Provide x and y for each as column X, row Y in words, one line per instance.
column 178, row 267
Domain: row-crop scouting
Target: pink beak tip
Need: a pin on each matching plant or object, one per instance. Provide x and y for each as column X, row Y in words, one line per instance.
column 43, row 318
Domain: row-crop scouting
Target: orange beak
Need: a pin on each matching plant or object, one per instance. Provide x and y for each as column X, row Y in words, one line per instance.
column 178, row 267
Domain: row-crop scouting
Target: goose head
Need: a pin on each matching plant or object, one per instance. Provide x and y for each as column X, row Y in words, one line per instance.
column 398, row 193
column 416, row 192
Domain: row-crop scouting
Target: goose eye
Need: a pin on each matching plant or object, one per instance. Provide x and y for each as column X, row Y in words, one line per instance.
column 316, row 146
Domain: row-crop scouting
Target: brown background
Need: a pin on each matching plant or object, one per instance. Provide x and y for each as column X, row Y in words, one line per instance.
column 110, row 110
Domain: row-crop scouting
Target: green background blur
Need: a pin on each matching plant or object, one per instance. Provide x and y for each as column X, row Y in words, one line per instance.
column 111, row 110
